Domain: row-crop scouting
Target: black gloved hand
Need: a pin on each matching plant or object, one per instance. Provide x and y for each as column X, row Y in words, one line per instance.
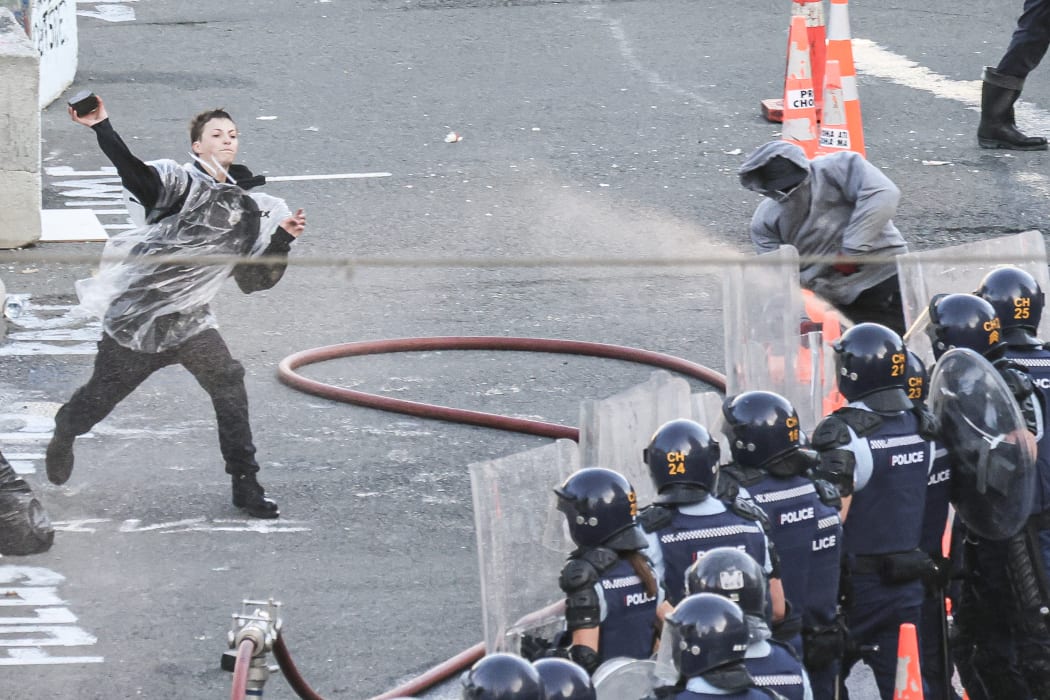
column 533, row 648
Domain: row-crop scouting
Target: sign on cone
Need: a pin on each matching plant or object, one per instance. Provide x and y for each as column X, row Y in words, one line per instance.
column 813, row 12
column 800, row 113
column 840, row 48
column 834, row 129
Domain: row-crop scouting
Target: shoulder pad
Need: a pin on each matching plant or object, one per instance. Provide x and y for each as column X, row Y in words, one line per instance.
column 601, row 558
column 727, row 487
column 653, row 518
column 830, row 433
column 828, row 494
column 577, row 574
column 1018, row 380
column 863, row 422
column 750, row 511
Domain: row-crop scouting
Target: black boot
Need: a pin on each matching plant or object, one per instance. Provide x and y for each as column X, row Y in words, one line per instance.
column 249, row 495
column 59, row 456
column 997, row 129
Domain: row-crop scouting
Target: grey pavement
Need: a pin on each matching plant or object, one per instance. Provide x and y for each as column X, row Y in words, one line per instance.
column 589, row 129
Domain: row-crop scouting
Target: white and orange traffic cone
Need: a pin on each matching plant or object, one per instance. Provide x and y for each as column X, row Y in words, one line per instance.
column 840, row 48
column 800, row 112
column 908, row 685
column 834, row 129
column 813, row 12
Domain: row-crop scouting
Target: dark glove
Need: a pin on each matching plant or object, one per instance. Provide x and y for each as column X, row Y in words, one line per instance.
column 533, row 648
column 846, row 268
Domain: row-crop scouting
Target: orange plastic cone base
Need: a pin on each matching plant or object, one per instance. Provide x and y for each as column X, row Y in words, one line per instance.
column 909, row 676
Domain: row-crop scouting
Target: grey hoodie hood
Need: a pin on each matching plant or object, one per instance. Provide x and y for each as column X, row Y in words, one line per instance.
column 754, row 177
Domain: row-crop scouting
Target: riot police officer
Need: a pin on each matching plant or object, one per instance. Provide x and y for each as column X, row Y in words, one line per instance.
column 612, row 592
column 732, row 574
column 777, row 473
column 685, row 519
column 877, row 450
column 564, row 680
column 502, row 677
column 936, row 660
column 1000, row 630
column 708, row 637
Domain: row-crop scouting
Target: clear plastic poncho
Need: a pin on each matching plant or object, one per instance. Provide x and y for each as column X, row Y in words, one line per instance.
column 153, row 306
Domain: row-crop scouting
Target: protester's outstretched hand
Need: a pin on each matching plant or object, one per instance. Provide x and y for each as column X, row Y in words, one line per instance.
column 91, row 118
column 295, row 223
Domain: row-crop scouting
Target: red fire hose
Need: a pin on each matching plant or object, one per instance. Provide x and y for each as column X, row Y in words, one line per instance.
column 287, row 374
column 240, row 670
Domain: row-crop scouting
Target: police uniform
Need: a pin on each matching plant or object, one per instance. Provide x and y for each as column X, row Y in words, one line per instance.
column 807, row 533
column 680, row 534
column 775, row 666
column 882, row 531
column 699, row 689
column 625, row 613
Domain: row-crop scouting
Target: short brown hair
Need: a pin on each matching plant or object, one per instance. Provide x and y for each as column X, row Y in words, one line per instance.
column 198, row 122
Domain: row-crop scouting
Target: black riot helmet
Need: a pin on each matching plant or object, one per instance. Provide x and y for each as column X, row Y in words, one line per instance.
column 707, row 632
column 683, row 462
column 600, row 506
column 761, row 427
column 870, row 360
column 918, row 379
column 1018, row 302
column 730, row 573
column 964, row 321
column 502, row 677
column 564, row 680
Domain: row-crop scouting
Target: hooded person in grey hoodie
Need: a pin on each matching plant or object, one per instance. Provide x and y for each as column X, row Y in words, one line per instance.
column 838, row 207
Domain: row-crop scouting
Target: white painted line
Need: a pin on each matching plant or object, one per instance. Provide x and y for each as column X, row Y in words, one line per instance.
column 120, row 208
column 46, row 616
column 70, row 225
column 30, row 597
column 66, row 171
column 38, row 657
column 47, row 636
column 340, row 176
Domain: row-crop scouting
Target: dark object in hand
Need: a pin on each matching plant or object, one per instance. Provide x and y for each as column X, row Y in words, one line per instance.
column 84, row 102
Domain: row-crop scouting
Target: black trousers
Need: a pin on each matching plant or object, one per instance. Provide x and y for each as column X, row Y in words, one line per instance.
column 1029, row 41
column 879, row 304
column 118, row 371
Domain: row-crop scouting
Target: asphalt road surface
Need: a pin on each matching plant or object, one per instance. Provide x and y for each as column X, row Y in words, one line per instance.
column 589, row 130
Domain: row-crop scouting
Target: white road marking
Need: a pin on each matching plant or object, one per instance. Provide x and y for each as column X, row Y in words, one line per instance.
column 337, row 176
column 34, row 620
column 135, row 526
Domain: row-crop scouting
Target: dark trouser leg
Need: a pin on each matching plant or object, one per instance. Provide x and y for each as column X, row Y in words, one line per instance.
column 878, row 304
column 208, row 359
column 118, row 371
column 1029, row 41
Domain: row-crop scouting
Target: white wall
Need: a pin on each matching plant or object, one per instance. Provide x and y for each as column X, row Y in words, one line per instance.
column 19, row 135
column 53, row 24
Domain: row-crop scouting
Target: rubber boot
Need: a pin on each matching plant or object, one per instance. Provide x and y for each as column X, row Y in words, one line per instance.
column 999, row 91
column 248, row 494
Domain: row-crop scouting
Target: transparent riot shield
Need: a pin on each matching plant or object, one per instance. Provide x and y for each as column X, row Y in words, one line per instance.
column 959, row 269
column 993, row 455
column 707, row 411
column 615, row 430
column 521, row 541
column 765, row 349
column 624, row 679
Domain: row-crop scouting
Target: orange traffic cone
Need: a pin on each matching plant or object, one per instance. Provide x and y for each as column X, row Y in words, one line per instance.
column 840, row 48
column 800, row 113
column 813, row 12
column 834, row 130
column 909, row 677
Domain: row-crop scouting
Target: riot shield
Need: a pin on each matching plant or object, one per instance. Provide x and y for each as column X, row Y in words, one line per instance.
column 522, row 544
column 993, row 455
column 615, row 430
column 765, row 350
column 623, row 679
column 959, row 269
